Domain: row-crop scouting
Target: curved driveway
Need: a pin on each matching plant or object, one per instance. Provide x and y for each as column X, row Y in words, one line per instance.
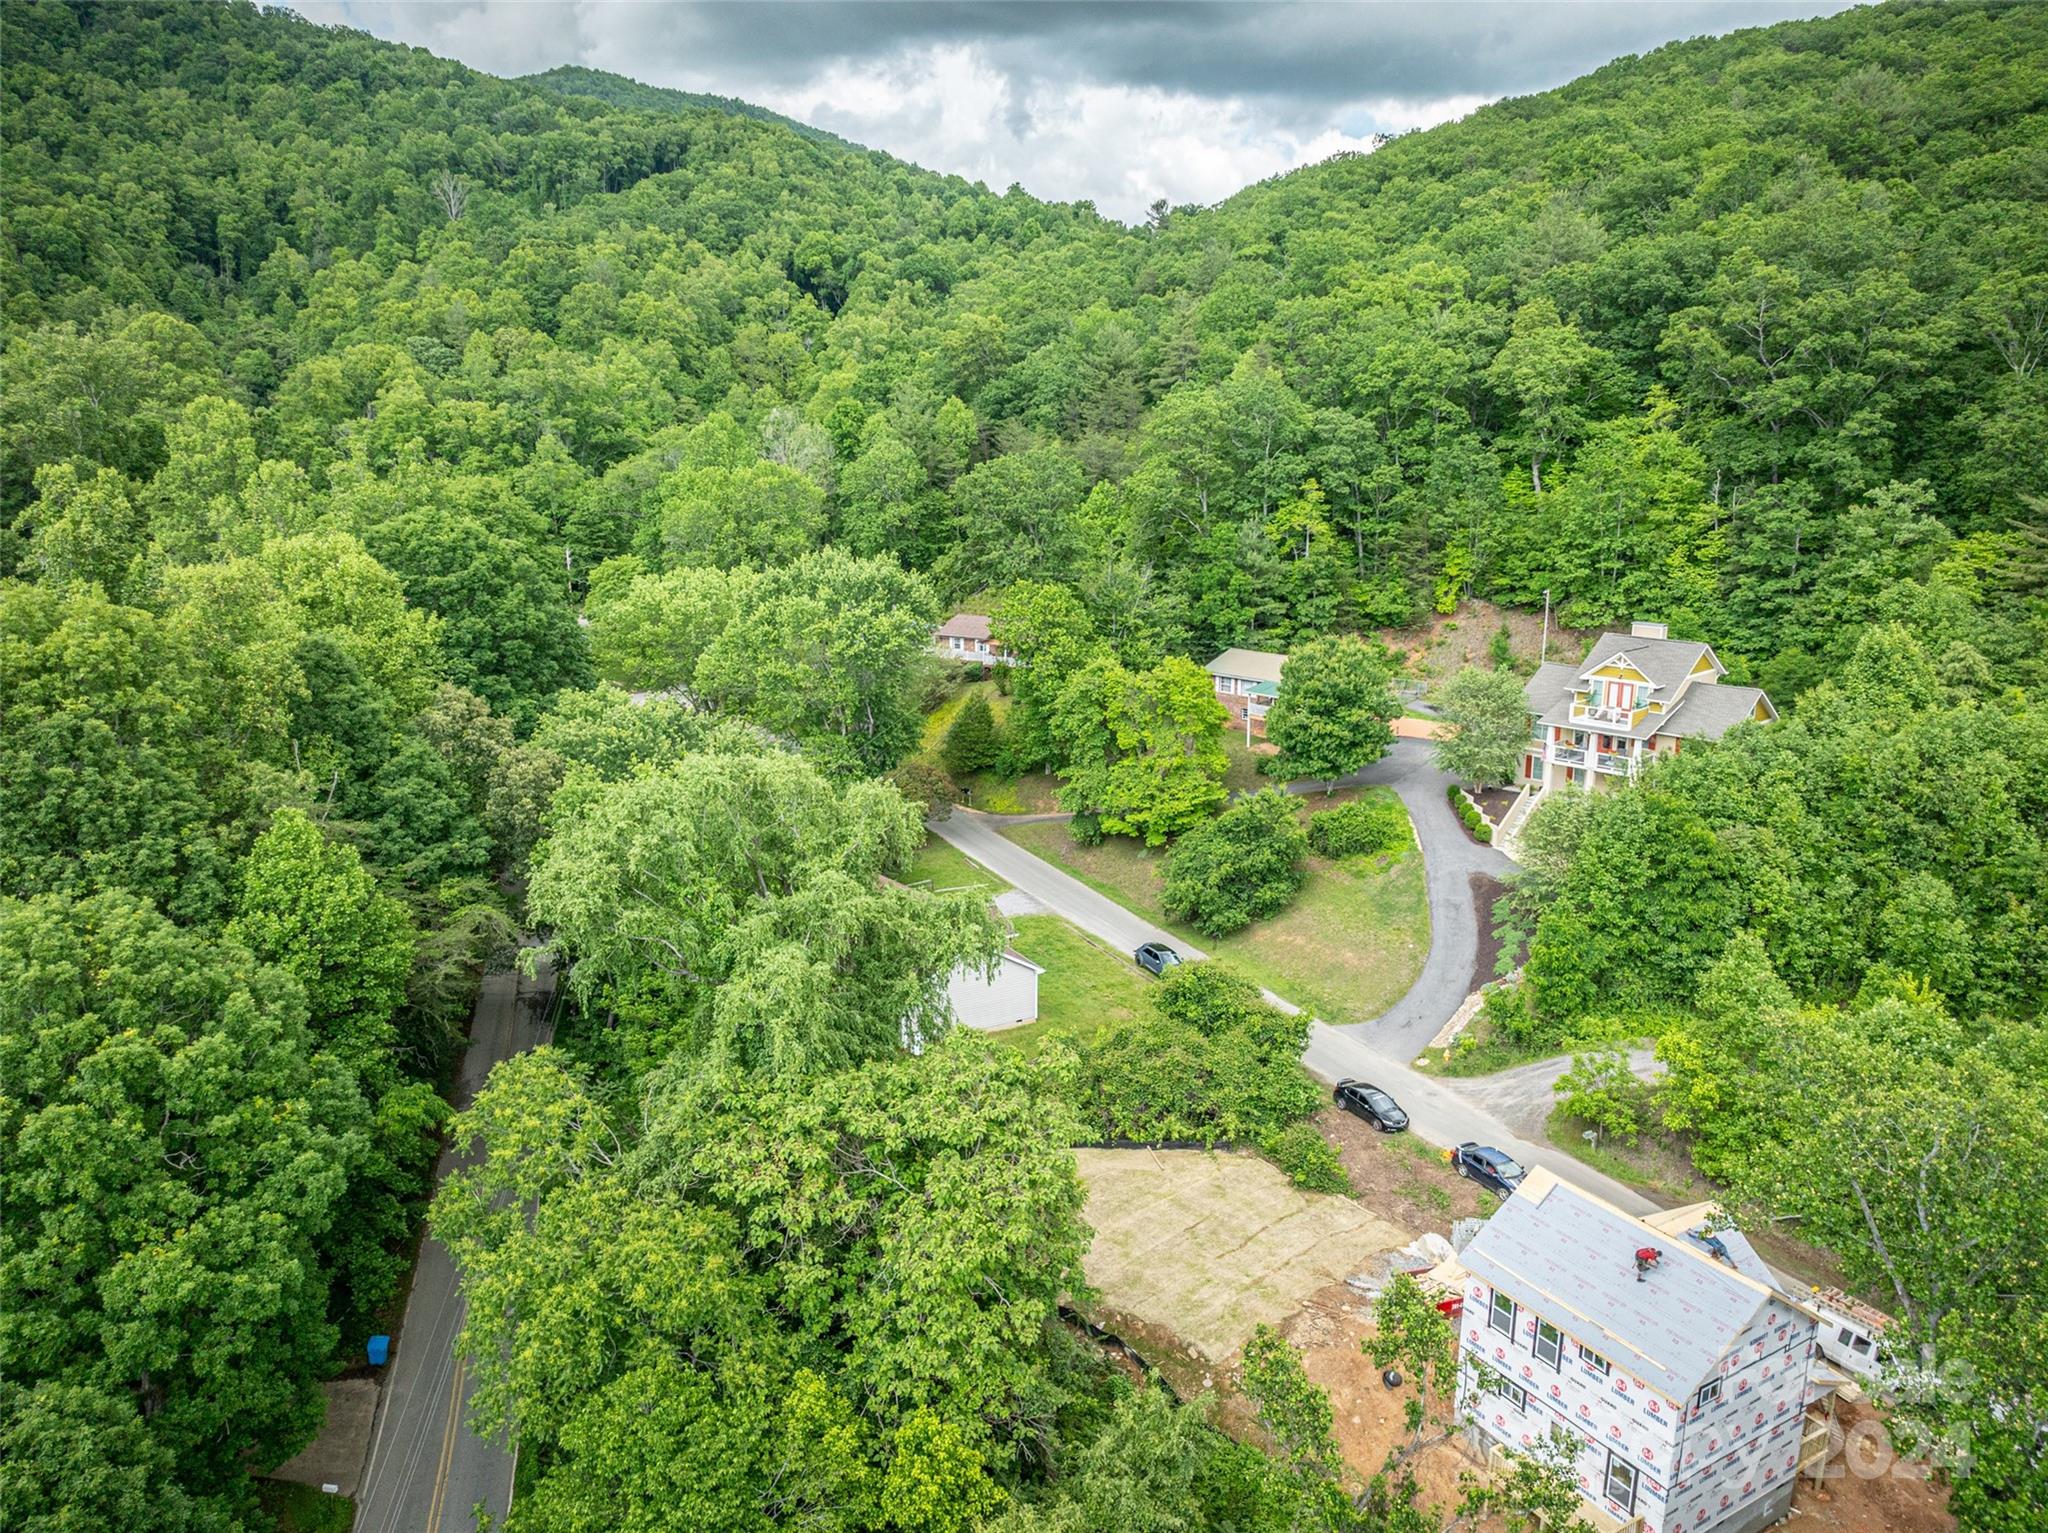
column 1449, row 859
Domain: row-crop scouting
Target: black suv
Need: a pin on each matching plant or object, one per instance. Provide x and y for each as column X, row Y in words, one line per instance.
column 1373, row 1105
column 1493, row 1169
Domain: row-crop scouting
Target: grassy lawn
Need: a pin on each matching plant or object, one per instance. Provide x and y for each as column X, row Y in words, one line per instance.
column 1243, row 775
column 1086, row 984
column 1347, row 948
column 304, row 1509
column 1033, row 793
column 947, row 868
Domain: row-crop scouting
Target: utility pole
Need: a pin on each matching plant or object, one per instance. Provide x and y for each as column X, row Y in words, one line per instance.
column 1543, row 653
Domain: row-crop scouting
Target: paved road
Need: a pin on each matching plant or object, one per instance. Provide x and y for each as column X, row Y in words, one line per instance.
column 1523, row 1097
column 1437, row 1110
column 1449, row 858
column 427, row 1470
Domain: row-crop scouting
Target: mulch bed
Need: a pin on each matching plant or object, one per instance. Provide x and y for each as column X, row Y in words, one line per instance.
column 1485, row 890
column 1495, row 803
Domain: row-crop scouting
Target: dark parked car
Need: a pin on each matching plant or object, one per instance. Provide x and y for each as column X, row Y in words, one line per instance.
column 1373, row 1105
column 1495, row 1170
column 1157, row 957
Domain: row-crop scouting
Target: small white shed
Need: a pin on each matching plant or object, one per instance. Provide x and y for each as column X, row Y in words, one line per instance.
column 992, row 1002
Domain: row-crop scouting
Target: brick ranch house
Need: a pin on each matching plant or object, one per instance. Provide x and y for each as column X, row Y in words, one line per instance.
column 965, row 636
column 1636, row 696
column 1247, row 681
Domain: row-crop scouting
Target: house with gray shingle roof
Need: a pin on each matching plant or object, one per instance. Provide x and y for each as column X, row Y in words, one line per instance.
column 1682, row 1374
column 1635, row 696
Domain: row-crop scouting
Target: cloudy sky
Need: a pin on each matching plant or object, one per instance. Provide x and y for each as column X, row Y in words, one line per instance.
column 1118, row 103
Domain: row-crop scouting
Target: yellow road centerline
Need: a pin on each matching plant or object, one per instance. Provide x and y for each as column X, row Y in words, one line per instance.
column 438, row 1503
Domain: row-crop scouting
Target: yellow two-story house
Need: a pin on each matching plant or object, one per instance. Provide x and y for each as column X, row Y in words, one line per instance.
column 1635, row 697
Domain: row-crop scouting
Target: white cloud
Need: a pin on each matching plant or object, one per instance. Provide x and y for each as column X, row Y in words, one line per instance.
column 950, row 108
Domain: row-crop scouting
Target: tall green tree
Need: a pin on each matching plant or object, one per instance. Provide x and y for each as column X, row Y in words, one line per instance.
column 1142, row 751
column 1334, row 711
column 1489, row 725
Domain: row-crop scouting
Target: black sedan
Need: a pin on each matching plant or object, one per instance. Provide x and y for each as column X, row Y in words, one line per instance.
column 1156, row 957
column 1373, row 1105
column 1495, row 1170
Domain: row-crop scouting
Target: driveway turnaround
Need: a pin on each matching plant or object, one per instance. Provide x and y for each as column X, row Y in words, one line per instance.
column 427, row 1469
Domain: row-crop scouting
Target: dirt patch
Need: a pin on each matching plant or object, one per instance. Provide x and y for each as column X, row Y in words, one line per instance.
column 1437, row 647
column 1398, row 1175
column 1486, row 964
column 1205, row 1246
column 1900, row 1500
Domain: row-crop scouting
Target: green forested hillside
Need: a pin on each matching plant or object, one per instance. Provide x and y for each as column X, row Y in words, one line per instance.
column 617, row 90
column 368, row 423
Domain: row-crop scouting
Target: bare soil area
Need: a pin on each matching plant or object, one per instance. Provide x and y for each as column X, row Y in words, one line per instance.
column 1402, row 1177
column 1436, row 648
column 1208, row 1245
column 1854, row 1499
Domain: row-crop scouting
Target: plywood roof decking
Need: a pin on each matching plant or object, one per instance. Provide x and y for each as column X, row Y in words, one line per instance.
column 1570, row 1257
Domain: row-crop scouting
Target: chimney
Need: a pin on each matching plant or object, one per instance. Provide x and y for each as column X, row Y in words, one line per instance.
column 1649, row 631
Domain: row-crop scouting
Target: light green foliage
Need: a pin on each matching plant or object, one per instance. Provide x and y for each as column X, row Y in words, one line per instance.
column 1364, row 827
column 1015, row 519
column 89, row 531
column 175, row 1150
column 825, row 651
column 1335, row 708
column 652, row 633
column 1047, row 628
column 735, row 903
column 1296, row 1416
column 1217, row 1063
column 759, row 513
column 1308, row 1159
column 1240, row 867
column 1489, row 722
column 1601, row 1089
column 936, row 1482
column 1460, row 365
column 307, row 905
column 1410, row 1333
column 1140, row 751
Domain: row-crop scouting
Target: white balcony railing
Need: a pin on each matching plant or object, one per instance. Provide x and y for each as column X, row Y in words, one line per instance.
column 1609, row 761
column 1567, row 755
column 1593, row 714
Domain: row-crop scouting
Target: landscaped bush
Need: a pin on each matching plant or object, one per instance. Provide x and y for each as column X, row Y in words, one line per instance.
column 1217, row 1064
column 1308, row 1159
column 971, row 741
column 1469, row 816
column 1241, row 866
column 924, row 782
column 1359, row 829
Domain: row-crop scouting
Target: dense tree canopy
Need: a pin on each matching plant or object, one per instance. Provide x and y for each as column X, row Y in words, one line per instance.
column 358, row 411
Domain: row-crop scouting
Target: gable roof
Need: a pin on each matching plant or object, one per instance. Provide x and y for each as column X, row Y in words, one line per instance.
column 1550, row 688
column 1666, row 662
column 1252, row 664
column 1713, row 711
column 1570, row 1257
column 1705, row 1226
column 964, row 625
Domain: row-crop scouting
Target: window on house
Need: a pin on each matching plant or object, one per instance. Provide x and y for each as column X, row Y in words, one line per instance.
column 1549, row 1343
column 1709, row 1393
column 1594, row 1360
column 1501, row 1316
column 1493, row 1382
column 1621, row 1482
